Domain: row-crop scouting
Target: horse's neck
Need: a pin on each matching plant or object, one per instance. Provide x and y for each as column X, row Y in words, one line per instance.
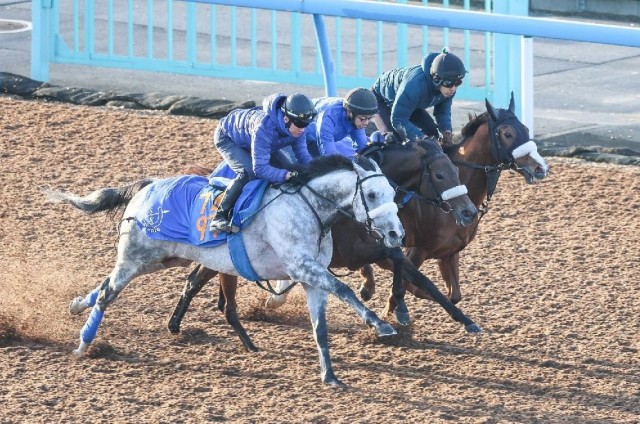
column 336, row 189
column 475, row 150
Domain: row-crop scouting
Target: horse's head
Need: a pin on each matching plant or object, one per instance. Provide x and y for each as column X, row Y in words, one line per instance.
column 439, row 180
column 424, row 173
column 511, row 146
column 373, row 202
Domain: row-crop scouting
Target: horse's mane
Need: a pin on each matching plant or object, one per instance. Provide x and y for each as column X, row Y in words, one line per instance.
column 430, row 145
column 474, row 123
column 325, row 164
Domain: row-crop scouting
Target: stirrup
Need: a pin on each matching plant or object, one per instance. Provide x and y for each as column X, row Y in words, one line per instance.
column 226, row 226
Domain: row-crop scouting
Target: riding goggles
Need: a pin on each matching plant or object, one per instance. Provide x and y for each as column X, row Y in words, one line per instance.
column 300, row 124
column 449, row 84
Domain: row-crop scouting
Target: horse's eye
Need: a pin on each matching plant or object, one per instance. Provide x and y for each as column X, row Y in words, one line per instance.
column 439, row 176
column 371, row 196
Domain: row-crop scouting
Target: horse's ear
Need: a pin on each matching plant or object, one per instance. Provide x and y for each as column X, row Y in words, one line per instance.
column 492, row 112
column 512, row 104
column 359, row 170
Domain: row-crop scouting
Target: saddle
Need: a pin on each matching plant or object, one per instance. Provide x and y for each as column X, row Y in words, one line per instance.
column 178, row 209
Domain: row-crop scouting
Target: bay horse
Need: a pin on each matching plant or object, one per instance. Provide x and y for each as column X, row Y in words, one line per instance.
column 423, row 175
column 284, row 238
column 492, row 142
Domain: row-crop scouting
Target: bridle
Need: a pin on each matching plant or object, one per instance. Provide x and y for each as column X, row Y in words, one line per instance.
column 442, row 199
column 505, row 158
column 371, row 214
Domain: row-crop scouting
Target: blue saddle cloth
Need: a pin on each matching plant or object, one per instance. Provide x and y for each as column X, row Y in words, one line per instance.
column 179, row 209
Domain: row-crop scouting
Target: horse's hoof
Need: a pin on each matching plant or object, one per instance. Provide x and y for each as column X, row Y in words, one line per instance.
column 274, row 302
column 403, row 318
column 402, row 313
column 385, row 330
column 79, row 352
column 75, row 307
column 251, row 348
column 473, row 328
column 365, row 294
column 333, row 381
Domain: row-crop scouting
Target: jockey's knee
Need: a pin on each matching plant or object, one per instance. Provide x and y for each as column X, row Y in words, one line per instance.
column 243, row 177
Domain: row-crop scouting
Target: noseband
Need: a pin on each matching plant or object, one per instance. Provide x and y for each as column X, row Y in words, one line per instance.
column 441, row 199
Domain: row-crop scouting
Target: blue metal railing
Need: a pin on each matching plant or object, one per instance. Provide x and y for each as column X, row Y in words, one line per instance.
column 210, row 39
column 228, row 41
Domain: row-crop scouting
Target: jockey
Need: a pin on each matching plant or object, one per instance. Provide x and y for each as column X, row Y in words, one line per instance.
column 404, row 94
column 248, row 140
column 339, row 118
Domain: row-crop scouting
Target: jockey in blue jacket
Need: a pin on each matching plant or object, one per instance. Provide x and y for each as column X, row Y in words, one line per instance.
column 339, row 118
column 404, row 94
column 248, row 140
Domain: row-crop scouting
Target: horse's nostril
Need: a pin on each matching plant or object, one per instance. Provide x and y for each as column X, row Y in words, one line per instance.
column 393, row 234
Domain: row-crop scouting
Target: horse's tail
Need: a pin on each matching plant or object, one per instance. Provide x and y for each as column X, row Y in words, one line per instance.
column 108, row 199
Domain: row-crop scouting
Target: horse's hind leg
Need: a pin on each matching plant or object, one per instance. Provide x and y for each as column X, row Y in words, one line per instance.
column 195, row 281
column 228, row 286
column 317, row 305
column 80, row 303
column 109, row 290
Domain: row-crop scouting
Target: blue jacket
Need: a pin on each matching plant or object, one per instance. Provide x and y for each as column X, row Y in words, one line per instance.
column 332, row 125
column 405, row 90
column 262, row 131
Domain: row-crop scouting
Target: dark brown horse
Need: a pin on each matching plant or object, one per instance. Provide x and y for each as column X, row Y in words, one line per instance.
column 424, row 176
column 491, row 143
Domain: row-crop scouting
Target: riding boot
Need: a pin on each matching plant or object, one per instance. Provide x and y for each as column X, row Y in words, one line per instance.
column 222, row 219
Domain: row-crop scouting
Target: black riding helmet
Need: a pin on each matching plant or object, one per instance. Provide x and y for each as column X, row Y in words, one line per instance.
column 447, row 67
column 299, row 109
column 361, row 101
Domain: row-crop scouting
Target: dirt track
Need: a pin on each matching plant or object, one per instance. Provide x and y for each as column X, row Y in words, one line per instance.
column 552, row 278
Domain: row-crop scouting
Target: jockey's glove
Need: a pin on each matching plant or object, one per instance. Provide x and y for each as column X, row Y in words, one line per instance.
column 447, row 137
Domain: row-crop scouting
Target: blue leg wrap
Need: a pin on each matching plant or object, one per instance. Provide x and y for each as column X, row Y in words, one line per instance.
column 90, row 299
column 90, row 328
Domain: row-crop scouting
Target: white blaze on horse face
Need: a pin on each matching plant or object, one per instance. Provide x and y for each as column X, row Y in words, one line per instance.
column 530, row 148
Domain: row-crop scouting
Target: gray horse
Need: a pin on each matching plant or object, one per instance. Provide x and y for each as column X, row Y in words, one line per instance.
column 288, row 238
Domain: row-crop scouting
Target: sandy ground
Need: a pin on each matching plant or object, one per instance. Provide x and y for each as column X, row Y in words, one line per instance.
column 551, row 277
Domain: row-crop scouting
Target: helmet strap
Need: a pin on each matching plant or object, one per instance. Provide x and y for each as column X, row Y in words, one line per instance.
column 351, row 116
column 287, row 122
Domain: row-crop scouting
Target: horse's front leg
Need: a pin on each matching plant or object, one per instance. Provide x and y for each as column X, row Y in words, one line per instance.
column 195, row 281
column 277, row 300
column 317, row 305
column 307, row 270
column 368, row 287
column 413, row 276
column 398, row 289
column 450, row 270
column 228, row 286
